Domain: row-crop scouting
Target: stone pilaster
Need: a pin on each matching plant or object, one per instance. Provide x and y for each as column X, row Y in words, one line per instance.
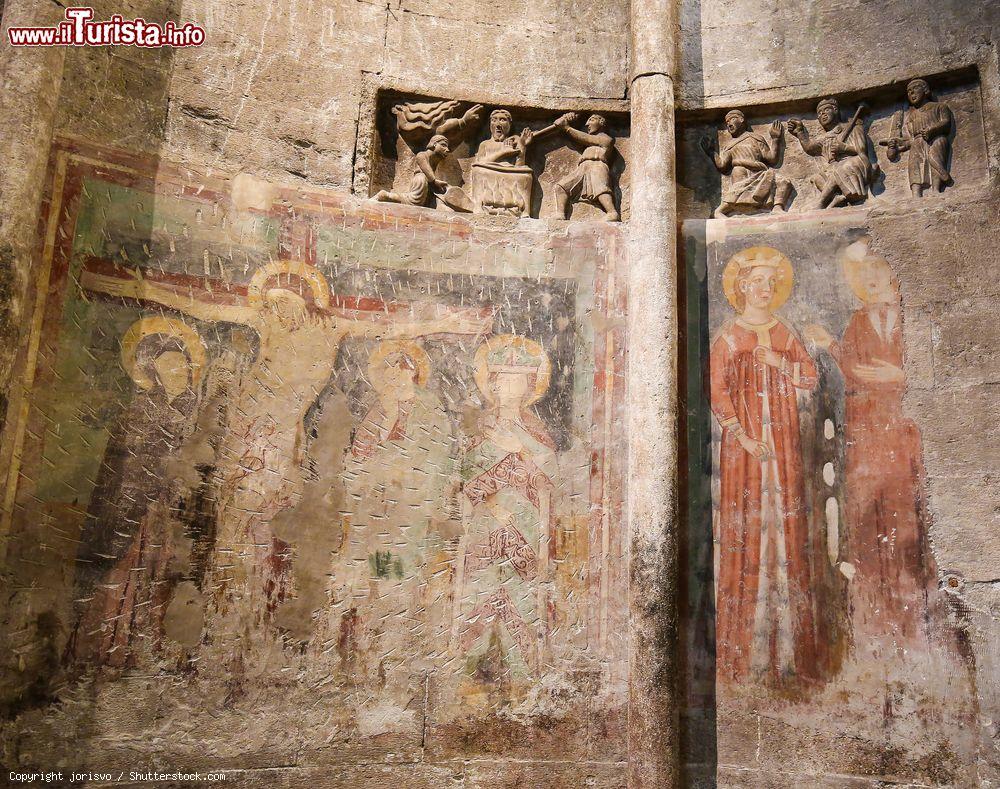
column 652, row 386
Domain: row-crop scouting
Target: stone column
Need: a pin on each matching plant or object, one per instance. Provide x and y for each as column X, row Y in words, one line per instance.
column 652, row 395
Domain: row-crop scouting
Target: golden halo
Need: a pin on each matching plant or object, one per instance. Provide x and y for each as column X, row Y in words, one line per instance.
column 527, row 356
column 310, row 274
column 854, row 258
column 408, row 347
column 169, row 327
column 759, row 256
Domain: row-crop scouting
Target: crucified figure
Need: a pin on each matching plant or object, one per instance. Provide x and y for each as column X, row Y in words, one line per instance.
column 259, row 467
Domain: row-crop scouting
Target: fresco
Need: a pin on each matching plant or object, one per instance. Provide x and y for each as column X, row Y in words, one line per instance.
column 813, row 596
column 270, row 434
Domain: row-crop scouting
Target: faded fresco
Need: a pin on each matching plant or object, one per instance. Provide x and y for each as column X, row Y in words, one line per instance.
column 277, row 447
column 813, row 606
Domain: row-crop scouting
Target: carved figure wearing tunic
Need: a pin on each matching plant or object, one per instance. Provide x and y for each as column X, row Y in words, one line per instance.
column 747, row 162
column 590, row 182
column 847, row 170
column 928, row 125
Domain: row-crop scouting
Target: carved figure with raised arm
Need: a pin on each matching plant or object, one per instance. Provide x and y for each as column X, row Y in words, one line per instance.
column 747, row 162
column 590, row 182
column 847, row 171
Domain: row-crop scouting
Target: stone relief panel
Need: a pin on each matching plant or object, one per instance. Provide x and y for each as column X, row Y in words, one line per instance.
column 911, row 140
column 487, row 159
column 814, row 608
column 282, row 446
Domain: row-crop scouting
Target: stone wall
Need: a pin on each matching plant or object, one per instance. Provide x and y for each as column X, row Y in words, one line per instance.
column 205, row 168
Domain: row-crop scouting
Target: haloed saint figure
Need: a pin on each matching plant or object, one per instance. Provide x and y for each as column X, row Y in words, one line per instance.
column 502, row 590
column 400, row 470
column 124, row 578
column 887, row 536
column 765, row 626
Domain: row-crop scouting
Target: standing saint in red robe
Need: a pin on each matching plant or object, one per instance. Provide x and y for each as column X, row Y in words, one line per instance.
column 887, row 537
column 765, row 625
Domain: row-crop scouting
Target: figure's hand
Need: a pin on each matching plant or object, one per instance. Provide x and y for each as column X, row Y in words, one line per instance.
column 473, row 115
column 566, row 119
column 880, row 372
column 818, row 336
column 767, row 356
column 837, row 148
column 796, row 127
column 511, row 142
column 527, row 135
column 776, row 130
column 440, row 186
column 707, row 144
column 757, row 449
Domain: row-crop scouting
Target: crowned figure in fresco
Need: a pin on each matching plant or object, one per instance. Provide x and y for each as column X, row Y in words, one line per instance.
column 125, row 565
column 260, row 460
column 399, row 475
column 887, row 530
column 765, row 625
column 503, row 591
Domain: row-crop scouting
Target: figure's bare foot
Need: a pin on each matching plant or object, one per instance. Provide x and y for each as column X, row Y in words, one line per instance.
column 611, row 216
column 779, row 208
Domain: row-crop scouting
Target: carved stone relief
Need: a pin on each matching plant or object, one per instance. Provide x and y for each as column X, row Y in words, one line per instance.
column 846, row 171
column 520, row 162
column 748, row 163
column 849, row 153
column 927, row 128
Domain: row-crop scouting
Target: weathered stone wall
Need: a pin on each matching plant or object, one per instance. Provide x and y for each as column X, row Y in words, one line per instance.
column 735, row 52
column 271, row 113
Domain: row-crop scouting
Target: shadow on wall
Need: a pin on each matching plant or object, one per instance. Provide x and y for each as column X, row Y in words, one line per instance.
column 699, row 753
column 699, row 745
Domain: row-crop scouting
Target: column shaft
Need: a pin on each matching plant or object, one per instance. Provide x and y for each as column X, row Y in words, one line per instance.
column 652, row 396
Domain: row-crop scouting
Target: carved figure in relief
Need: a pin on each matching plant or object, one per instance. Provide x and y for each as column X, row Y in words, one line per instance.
column 259, row 473
column 591, row 180
column 424, row 178
column 415, row 123
column 501, row 178
column 747, row 162
column 503, row 591
column 847, row 171
column 126, row 571
column 927, row 125
column 887, row 534
column 401, row 468
column 765, row 624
